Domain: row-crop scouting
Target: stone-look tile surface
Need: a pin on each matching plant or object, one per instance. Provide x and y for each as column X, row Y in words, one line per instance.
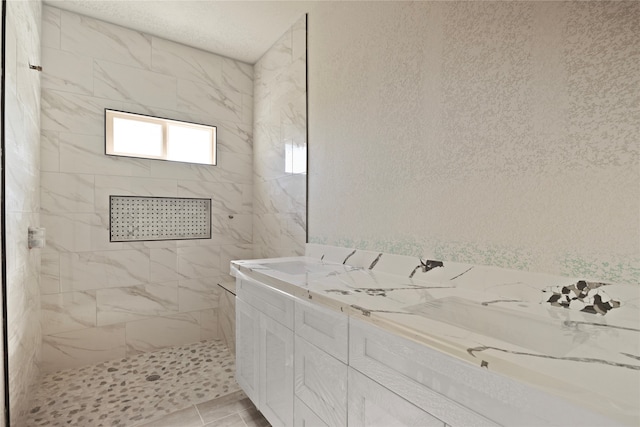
column 280, row 147
column 232, row 410
column 187, row 417
column 162, row 293
column 223, row 407
column 21, row 182
column 139, row 389
column 227, row 317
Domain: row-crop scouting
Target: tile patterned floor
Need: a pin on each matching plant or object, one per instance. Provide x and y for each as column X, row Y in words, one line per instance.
column 232, row 410
column 136, row 390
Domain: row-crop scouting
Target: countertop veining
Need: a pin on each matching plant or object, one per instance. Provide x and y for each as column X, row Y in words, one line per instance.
column 576, row 339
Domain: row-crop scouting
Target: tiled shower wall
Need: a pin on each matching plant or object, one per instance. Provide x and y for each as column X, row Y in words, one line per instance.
column 495, row 133
column 280, row 143
column 22, row 159
column 103, row 300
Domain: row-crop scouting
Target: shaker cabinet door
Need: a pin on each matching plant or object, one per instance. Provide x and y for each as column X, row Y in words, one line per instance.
column 321, row 383
column 372, row 405
column 276, row 372
column 305, row 417
column 247, row 349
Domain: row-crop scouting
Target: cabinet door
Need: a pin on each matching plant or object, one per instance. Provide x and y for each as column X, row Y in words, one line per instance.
column 370, row 404
column 276, row 372
column 325, row 328
column 270, row 301
column 422, row 376
column 305, row 417
column 247, row 345
column 321, row 383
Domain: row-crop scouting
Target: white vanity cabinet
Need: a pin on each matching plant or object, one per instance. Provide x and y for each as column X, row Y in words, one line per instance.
column 451, row 390
column 264, row 356
column 303, row 364
column 373, row 405
column 247, row 348
column 275, row 382
column 303, row 416
column 417, row 374
column 321, row 345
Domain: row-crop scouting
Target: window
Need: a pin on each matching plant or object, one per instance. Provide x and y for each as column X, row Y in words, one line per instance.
column 136, row 135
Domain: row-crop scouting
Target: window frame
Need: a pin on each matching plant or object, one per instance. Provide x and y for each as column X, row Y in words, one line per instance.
column 110, row 114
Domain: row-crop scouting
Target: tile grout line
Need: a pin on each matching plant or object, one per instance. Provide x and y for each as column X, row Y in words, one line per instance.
column 199, row 414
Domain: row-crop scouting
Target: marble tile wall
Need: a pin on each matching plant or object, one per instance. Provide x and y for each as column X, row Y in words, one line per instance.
column 280, row 146
column 103, row 300
column 227, row 315
column 22, row 180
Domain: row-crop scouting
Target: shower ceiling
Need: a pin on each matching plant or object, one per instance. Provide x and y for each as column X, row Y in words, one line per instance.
column 241, row 30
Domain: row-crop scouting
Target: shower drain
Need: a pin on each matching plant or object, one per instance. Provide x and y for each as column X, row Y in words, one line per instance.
column 154, row 377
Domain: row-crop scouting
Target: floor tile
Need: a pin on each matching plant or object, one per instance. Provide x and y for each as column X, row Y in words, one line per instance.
column 188, row 417
column 230, row 421
column 253, row 418
column 223, row 407
column 136, row 390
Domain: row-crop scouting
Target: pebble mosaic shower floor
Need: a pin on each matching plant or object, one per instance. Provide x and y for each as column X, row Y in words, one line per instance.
column 133, row 391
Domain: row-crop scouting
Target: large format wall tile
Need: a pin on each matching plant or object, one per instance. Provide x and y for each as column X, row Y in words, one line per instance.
column 82, row 347
column 227, row 320
column 231, row 252
column 213, row 100
column 107, row 269
column 49, row 273
column 198, row 261
column 87, row 36
column 67, row 72
column 62, row 192
column 49, row 151
column 236, row 168
column 68, row 311
column 237, row 76
column 119, row 82
column 199, row 294
column 187, row 63
column 159, row 332
column 84, row 154
column 163, row 264
column 21, row 110
column 68, row 232
column 51, row 27
column 209, row 329
column 235, row 229
column 226, row 198
column 69, row 112
column 120, row 305
column 235, row 138
column 280, row 155
column 137, row 287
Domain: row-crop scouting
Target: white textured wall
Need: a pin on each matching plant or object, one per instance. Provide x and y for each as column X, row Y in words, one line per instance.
column 499, row 133
column 280, row 120
column 105, row 300
column 22, row 160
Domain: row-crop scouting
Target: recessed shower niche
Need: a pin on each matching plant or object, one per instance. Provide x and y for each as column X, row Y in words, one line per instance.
column 134, row 218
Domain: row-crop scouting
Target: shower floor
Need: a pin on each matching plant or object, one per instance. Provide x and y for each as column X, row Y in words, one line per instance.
column 139, row 389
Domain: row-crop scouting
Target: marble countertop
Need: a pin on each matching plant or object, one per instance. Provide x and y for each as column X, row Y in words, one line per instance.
column 509, row 322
